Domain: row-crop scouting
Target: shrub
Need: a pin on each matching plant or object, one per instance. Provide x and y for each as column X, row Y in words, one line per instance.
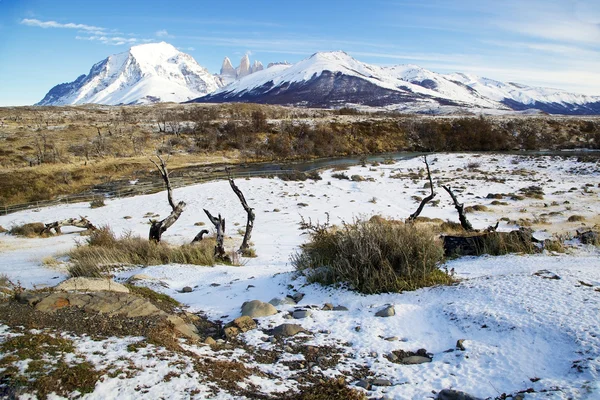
column 373, row 256
column 30, row 230
column 340, row 175
column 104, row 252
column 576, row 218
column 97, row 203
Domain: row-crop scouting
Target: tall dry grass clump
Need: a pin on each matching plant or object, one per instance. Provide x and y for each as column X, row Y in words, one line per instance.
column 104, row 251
column 373, row 256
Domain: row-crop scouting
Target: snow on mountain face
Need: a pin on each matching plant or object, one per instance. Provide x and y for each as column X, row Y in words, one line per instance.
column 229, row 74
column 148, row 73
column 334, row 79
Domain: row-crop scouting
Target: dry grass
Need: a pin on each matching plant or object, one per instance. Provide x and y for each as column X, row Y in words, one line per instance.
column 30, row 230
column 576, row 218
column 373, row 256
column 104, row 251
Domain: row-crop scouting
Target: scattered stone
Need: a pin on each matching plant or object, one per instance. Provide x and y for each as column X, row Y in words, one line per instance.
column 387, row 311
column 299, row 314
column 451, row 394
column 215, row 284
column 297, row 297
column 244, row 323
column 357, row 328
column 340, row 308
column 413, row 360
column 210, row 341
column 327, row 307
column 545, row 274
column 280, row 302
column 391, row 338
column 288, row 316
column 187, row 289
column 287, row 330
column 139, row 277
column 381, row 382
column 257, row 309
column 82, row 284
column 363, row 383
column 392, row 357
column 460, row 344
column 589, row 237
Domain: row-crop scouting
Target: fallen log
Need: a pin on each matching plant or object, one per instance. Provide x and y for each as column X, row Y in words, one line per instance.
column 82, row 222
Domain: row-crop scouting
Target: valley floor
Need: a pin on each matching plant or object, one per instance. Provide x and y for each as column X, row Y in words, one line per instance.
column 526, row 321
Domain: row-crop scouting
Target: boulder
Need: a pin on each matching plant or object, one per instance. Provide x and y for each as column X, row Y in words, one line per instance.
column 413, row 360
column 287, row 330
column 257, row 309
column 299, row 314
column 83, row 284
column 451, row 394
column 279, row 302
column 387, row 311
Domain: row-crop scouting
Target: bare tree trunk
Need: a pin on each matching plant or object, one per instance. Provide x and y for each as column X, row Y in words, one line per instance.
column 464, row 222
column 157, row 228
column 219, row 224
column 200, row 235
column 249, row 221
column 79, row 223
column 427, row 199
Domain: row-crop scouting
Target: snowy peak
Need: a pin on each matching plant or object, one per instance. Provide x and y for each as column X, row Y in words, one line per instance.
column 229, row 74
column 227, row 68
column 334, row 79
column 147, row 73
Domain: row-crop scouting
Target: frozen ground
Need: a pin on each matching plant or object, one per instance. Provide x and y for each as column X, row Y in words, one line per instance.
column 521, row 330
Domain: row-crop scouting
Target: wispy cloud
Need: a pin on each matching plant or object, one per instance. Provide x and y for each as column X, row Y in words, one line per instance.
column 112, row 40
column 54, row 24
column 163, row 33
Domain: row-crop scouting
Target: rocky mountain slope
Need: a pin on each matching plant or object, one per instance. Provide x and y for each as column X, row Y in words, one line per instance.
column 148, row 73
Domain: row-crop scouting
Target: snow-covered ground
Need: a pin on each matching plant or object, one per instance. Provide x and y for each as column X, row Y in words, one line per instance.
column 520, row 329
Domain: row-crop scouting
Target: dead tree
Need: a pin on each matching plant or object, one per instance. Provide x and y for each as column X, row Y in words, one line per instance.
column 250, row 213
column 464, row 222
column 219, row 224
column 82, row 222
column 427, row 199
column 157, row 228
column 200, row 236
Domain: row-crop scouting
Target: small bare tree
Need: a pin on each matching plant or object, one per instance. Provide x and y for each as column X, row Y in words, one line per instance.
column 219, row 224
column 427, row 199
column 464, row 222
column 157, row 228
column 250, row 215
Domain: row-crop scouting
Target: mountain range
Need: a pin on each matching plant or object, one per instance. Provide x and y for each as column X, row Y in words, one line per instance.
column 158, row 72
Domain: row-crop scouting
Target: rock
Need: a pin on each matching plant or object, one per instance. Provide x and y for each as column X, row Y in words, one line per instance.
column 299, row 314
column 392, row 357
column 327, row 307
column 82, row 284
column 460, row 344
column 363, row 383
column 244, row 323
column 231, row 332
column 387, row 311
column 187, row 330
column 297, row 297
column 30, row 298
column 391, row 338
column 279, row 302
column 340, row 308
column 381, row 382
column 589, row 237
column 187, row 289
column 451, row 394
column 257, row 309
column 413, row 360
column 210, row 341
column 545, row 274
column 287, row 330
column 140, row 277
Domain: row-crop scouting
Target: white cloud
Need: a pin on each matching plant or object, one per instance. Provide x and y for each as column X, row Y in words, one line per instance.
column 110, row 40
column 54, row 24
column 163, row 33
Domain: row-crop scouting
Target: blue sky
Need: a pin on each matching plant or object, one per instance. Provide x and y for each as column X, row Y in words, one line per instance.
column 544, row 43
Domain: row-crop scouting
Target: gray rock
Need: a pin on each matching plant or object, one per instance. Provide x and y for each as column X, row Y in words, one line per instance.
column 392, row 357
column 382, row 382
column 412, row 360
column 187, row 289
column 340, row 308
column 299, row 314
column 257, row 309
column 327, row 307
column 287, row 330
column 297, row 297
column 363, row 383
column 82, row 284
column 451, row 394
column 285, row 301
column 387, row 311
column 140, row 277
column 210, row 341
column 391, row 338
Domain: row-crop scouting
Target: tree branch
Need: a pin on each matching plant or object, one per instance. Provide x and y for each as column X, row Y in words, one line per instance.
column 427, row 199
column 464, row 222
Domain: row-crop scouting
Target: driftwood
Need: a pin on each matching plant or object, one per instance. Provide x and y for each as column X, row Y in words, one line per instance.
column 157, row 228
column 200, row 236
column 464, row 222
column 250, row 213
column 494, row 243
column 78, row 223
column 219, row 224
column 427, row 199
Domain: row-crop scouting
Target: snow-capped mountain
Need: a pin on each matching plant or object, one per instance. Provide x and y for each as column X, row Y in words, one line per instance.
column 336, row 79
column 148, row 73
column 229, row 74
